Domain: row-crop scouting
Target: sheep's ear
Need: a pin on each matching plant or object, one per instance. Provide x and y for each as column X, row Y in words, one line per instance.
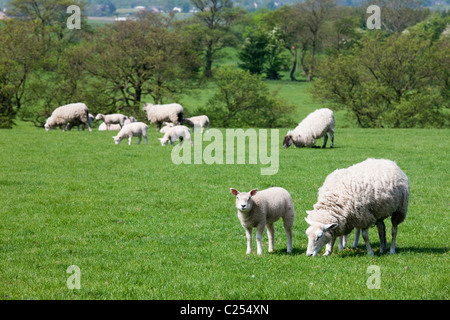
column 330, row 226
column 234, row 191
column 253, row 192
column 309, row 212
column 307, row 221
column 160, row 139
column 113, row 137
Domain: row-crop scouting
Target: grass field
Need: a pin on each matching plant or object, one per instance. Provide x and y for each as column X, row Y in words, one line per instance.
column 140, row 227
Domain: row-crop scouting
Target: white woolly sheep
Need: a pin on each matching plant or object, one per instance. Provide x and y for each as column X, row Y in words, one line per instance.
column 358, row 197
column 315, row 126
column 157, row 114
column 135, row 129
column 115, row 118
column 260, row 209
column 167, row 127
column 116, row 127
column 175, row 133
column 197, row 122
column 76, row 113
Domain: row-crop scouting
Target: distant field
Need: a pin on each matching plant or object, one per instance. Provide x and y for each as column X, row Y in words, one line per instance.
column 140, row 227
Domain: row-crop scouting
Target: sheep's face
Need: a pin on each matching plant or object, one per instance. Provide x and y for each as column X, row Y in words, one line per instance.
column 287, row 141
column 244, row 202
column 117, row 140
column 163, row 141
column 99, row 117
column 319, row 234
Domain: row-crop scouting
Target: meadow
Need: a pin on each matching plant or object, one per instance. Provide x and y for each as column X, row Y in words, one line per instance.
column 140, row 227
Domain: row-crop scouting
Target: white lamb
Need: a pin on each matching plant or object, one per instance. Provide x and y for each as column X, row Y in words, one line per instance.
column 115, row 127
column 76, row 113
column 358, row 197
column 115, row 118
column 315, row 126
column 157, row 114
column 198, row 122
column 135, row 129
column 175, row 133
column 260, row 209
column 167, row 127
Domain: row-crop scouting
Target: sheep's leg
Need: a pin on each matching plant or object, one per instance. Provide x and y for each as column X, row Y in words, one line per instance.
column 288, row 229
column 382, row 235
column 146, row 140
column 342, row 242
column 357, row 234
column 365, row 234
column 325, row 140
column 248, row 233
column 329, row 247
column 181, row 141
column 332, row 139
column 259, row 238
column 270, row 235
column 129, row 140
column 394, row 236
column 140, row 139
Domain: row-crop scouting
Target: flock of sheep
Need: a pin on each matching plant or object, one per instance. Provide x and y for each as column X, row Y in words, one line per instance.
column 357, row 197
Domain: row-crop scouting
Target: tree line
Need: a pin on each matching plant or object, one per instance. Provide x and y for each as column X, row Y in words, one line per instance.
column 384, row 78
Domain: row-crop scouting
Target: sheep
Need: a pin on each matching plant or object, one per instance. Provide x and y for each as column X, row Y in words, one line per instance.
column 358, row 197
column 116, row 127
column 72, row 124
column 175, row 133
column 167, row 127
column 115, row 118
column 156, row 114
column 135, row 129
column 260, row 209
column 198, row 122
column 70, row 113
column 315, row 126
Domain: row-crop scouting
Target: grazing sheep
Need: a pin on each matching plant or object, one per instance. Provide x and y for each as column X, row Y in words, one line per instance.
column 76, row 113
column 135, row 129
column 72, row 124
column 175, row 133
column 116, row 127
column 197, row 122
column 315, row 126
column 358, row 197
column 260, row 209
column 115, row 118
column 157, row 114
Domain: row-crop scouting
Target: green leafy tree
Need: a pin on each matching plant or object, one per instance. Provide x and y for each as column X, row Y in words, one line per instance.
column 243, row 100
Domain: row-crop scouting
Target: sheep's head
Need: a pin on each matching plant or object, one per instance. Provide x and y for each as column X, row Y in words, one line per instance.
column 287, row 141
column 49, row 124
column 99, row 117
column 147, row 106
column 117, row 140
column 244, row 202
column 319, row 234
column 163, row 141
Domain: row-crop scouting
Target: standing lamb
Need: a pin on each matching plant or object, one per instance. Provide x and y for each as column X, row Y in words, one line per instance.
column 115, row 118
column 258, row 209
column 175, row 133
column 157, row 114
column 115, row 127
column 315, row 126
column 358, row 197
column 135, row 129
column 77, row 113
column 198, row 122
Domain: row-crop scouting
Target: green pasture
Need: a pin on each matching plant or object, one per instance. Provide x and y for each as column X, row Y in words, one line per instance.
column 140, row 227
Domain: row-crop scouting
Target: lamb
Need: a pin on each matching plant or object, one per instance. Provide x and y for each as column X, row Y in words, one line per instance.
column 198, row 122
column 156, row 114
column 115, row 127
column 115, row 118
column 76, row 113
column 358, row 197
column 315, row 126
column 260, row 209
column 175, row 133
column 167, row 127
column 135, row 129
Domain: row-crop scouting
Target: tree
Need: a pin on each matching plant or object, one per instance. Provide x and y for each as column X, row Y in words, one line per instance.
column 400, row 81
column 212, row 27
column 133, row 59
column 243, row 100
column 19, row 54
